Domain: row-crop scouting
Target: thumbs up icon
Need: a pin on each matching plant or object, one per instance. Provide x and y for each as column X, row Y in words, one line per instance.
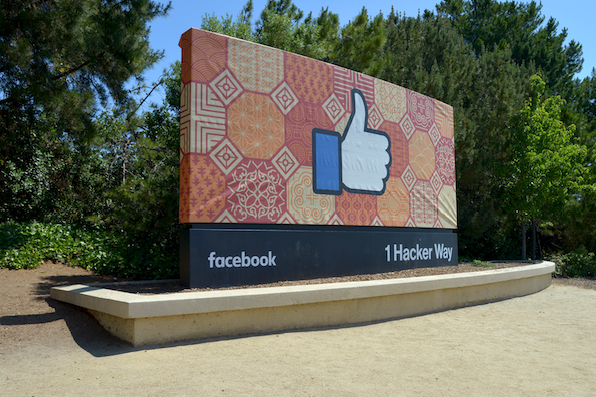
column 358, row 161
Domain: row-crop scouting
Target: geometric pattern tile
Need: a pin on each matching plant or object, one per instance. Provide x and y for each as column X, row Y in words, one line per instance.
column 299, row 124
column 343, row 123
column 399, row 148
column 377, row 222
column 421, row 109
column 448, row 207
column 257, row 193
column 333, row 108
column 256, row 126
column 356, row 209
column 226, row 156
column 434, row 134
column 304, row 204
column 202, row 125
column 203, row 56
column 286, row 219
column 203, row 194
column 284, row 98
column 343, row 82
column 309, row 79
column 248, row 61
column 374, row 117
column 422, row 155
column 391, row 100
column 394, row 208
column 446, row 161
column 444, row 119
column 407, row 126
column 226, row 87
column 335, row 220
column 225, row 217
column 408, row 178
column 423, row 204
column 285, row 162
column 410, row 223
column 436, row 182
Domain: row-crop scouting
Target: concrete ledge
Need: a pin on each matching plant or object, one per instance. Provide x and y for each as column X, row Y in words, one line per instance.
column 153, row 319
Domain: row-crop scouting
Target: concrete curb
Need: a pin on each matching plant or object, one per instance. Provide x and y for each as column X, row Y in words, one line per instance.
column 154, row 319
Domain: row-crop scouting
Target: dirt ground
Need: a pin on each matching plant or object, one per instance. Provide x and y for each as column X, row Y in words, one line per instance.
column 541, row 344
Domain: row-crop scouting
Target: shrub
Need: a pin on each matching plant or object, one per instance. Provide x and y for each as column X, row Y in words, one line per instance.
column 479, row 263
column 578, row 263
column 27, row 245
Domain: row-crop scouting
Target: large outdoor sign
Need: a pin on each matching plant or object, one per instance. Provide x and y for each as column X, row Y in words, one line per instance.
column 278, row 149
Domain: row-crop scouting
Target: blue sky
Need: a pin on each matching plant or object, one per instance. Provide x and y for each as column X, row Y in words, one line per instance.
column 576, row 15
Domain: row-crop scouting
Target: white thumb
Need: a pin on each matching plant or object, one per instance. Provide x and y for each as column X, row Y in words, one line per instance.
column 359, row 117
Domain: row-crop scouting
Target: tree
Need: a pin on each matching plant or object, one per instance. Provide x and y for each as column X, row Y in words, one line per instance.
column 359, row 44
column 58, row 58
column 428, row 55
column 520, row 27
column 545, row 167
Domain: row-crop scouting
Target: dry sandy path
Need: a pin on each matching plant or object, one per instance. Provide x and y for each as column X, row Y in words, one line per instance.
column 538, row 345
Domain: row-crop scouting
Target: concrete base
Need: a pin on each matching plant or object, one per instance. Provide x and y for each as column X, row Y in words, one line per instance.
column 154, row 319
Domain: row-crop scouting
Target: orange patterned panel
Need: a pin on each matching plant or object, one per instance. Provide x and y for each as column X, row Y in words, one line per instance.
column 421, row 110
column 399, row 148
column 310, row 80
column 422, row 155
column 256, row 126
column 356, row 209
column 300, row 122
column 258, row 68
column 203, row 55
column 391, row 100
column 202, row 189
column 305, row 205
column 394, row 206
column 448, row 207
column 444, row 119
column 257, row 192
column 423, row 204
column 183, row 209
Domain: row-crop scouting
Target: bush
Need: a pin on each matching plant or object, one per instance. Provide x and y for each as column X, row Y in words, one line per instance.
column 27, row 245
column 579, row 263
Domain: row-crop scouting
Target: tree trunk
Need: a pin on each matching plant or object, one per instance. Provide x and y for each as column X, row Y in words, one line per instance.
column 523, row 225
column 533, row 239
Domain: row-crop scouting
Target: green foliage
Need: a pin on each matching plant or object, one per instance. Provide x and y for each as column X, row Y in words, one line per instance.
column 239, row 28
column 479, row 263
column 580, row 263
column 545, row 166
column 57, row 59
column 27, row 245
column 518, row 26
column 360, row 43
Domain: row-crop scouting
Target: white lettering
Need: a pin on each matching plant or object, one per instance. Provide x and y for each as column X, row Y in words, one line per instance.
column 211, row 258
column 219, row 261
column 241, row 261
column 245, row 260
column 439, row 250
column 396, row 252
column 272, row 259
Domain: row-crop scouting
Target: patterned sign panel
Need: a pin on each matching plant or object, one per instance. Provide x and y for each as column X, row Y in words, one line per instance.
column 271, row 137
